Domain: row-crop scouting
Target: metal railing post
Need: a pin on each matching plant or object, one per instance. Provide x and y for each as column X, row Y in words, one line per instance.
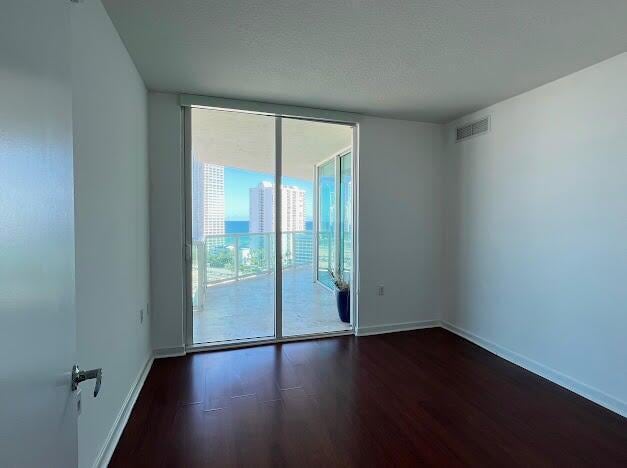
column 270, row 251
column 267, row 246
column 236, row 257
column 201, row 261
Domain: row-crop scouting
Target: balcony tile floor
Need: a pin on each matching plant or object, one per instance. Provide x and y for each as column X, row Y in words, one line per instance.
column 244, row 309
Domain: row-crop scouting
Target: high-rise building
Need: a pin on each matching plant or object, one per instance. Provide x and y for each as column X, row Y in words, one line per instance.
column 292, row 208
column 207, row 200
column 292, row 216
column 262, row 208
column 198, row 195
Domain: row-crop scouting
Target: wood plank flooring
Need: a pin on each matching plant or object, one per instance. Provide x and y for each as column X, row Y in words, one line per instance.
column 417, row 398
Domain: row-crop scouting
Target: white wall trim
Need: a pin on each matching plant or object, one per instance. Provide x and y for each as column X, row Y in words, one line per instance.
column 396, row 327
column 593, row 394
column 175, row 351
column 104, row 456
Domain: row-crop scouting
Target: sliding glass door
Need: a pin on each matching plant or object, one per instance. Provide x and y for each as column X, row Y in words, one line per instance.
column 326, row 190
column 232, row 224
column 334, row 192
column 242, row 227
column 345, row 208
column 308, row 226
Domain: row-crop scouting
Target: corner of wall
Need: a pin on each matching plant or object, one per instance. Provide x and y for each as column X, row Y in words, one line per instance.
column 166, row 220
column 533, row 252
column 111, row 221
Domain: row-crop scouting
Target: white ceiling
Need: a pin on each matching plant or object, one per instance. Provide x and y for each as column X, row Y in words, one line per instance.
column 246, row 141
column 419, row 60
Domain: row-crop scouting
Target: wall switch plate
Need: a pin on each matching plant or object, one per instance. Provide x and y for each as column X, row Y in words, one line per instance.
column 380, row 290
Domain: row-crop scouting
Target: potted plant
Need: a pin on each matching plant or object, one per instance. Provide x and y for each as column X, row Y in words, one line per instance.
column 342, row 296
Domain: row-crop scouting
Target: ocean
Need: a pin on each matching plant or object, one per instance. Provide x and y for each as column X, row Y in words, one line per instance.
column 235, row 227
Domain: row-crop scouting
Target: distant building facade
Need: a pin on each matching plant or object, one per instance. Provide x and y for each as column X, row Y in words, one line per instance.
column 261, row 217
column 207, row 199
column 261, row 208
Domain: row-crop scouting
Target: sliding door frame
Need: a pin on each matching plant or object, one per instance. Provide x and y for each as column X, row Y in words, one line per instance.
column 278, row 231
column 186, row 106
column 336, row 158
column 317, row 215
column 188, row 302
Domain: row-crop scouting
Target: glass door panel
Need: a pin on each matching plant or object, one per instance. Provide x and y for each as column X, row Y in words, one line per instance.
column 308, row 220
column 326, row 222
column 233, row 232
column 346, row 216
column 234, row 225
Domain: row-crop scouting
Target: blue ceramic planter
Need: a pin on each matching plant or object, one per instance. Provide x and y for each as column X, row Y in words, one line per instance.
column 343, row 299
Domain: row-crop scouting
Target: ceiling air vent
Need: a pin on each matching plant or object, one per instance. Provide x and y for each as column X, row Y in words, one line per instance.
column 473, row 129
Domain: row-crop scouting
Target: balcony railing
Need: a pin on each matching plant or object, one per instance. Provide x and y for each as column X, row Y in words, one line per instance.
column 234, row 256
column 231, row 257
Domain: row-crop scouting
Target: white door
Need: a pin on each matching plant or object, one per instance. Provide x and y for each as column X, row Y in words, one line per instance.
column 37, row 316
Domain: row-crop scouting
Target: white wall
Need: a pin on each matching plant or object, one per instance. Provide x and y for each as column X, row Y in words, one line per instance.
column 166, row 222
column 400, row 235
column 537, row 231
column 400, row 226
column 111, row 203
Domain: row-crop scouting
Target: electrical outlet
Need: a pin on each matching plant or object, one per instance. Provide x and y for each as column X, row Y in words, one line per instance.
column 141, row 315
column 380, row 290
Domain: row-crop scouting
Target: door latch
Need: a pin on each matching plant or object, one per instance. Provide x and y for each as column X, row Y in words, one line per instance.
column 79, row 376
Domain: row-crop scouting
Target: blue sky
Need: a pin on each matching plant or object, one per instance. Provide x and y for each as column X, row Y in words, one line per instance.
column 238, row 181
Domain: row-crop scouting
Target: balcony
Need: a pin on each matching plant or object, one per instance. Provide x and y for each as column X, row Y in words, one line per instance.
column 233, row 291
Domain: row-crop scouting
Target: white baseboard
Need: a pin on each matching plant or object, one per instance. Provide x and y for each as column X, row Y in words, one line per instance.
column 396, row 327
column 104, row 456
column 586, row 391
column 169, row 352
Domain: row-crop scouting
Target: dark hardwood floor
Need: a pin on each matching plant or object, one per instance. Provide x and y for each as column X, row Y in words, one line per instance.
column 425, row 397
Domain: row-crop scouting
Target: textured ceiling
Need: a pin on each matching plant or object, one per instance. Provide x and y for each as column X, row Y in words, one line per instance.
column 420, row 60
